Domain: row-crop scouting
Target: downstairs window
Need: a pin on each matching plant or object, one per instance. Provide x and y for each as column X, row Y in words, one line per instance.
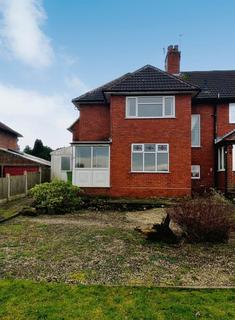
column 195, row 172
column 150, row 157
column 221, row 159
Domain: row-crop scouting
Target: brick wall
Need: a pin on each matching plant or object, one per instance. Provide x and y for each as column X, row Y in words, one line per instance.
column 176, row 132
column 75, row 130
column 223, row 119
column 204, row 155
column 94, row 123
column 224, row 127
column 8, row 141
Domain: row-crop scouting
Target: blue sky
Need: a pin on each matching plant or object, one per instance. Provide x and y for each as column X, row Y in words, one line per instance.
column 52, row 51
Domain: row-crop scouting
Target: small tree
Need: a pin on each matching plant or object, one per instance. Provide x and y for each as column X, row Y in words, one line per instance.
column 39, row 150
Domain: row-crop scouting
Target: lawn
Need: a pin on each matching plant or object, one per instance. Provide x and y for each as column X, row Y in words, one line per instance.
column 9, row 209
column 96, row 248
column 21, row 300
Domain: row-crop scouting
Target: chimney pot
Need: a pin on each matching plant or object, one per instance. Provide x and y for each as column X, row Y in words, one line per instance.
column 172, row 61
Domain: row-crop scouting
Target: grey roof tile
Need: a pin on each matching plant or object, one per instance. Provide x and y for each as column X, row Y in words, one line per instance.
column 7, row 129
column 148, row 78
column 212, row 83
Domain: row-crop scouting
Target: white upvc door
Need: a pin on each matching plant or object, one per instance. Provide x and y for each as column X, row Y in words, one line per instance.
column 91, row 165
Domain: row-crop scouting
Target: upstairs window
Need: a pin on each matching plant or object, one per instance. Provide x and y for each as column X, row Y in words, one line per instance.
column 150, row 157
column 232, row 113
column 150, row 107
column 195, row 130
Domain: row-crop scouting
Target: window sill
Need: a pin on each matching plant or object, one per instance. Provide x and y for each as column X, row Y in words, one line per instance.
column 95, row 187
column 149, row 118
column 154, row 172
column 221, row 170
column 195, row 178
column 196, row 146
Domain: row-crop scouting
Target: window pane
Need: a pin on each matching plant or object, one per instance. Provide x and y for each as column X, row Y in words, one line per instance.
column 137, row 147
column 221, row 158
column 100, row 157
column 195, row 130
column 83, row 157
column 137, row 161
column 162, row 148
column 162, row 162
column 169, row 106
column 65, row 163
column 131, row 107
column 232, row 113
column 149, row 162
column 150, row 110
column 195, row 172
column 149, row 147
column 150, row 100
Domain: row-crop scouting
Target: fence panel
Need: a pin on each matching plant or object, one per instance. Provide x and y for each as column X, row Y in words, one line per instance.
column 18, row 185
column 33, row 179
column 12, row 186
column 3, row 188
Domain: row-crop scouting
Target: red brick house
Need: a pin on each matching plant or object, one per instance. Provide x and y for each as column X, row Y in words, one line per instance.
column 156, row 133
column 15, row 162
column 8, row 137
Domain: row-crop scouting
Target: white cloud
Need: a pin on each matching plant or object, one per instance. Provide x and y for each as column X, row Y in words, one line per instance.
column 35, row 115
column 76, row 85
column 21, row 32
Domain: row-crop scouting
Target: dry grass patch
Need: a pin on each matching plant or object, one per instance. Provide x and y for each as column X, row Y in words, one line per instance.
column 103, row 248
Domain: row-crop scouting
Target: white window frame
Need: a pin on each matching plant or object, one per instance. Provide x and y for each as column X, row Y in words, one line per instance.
column 92, row 160
column 221, row 159
column 231, row 105
column 149, row 103
column 233, row 156
column 156, row 152
column 199, row 171
column 199, row 144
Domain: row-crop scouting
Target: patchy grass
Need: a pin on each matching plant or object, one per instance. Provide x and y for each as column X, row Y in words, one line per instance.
column 27, row 300
column 9, row 209
column 103, row 248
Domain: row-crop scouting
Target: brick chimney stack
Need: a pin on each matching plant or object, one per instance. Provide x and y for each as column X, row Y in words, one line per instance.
column 172, row 61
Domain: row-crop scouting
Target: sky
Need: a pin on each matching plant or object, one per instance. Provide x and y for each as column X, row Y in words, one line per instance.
column 51, row 51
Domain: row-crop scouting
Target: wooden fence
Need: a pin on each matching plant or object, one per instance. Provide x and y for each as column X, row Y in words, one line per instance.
column 12, row 187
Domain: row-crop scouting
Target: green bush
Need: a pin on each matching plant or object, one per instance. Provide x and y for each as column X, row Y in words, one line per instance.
column 56, row 197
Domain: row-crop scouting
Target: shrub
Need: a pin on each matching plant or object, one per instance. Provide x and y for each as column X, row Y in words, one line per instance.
column 56, row 197
column 207, row 219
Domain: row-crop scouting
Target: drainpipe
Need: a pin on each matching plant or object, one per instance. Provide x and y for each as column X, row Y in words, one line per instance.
column 226, row 169
column 215, row 134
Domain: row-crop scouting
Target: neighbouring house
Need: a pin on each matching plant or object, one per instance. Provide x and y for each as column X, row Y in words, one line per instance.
column 61, row 163
column 8, row 137
column 17, row 163
column 156, row 133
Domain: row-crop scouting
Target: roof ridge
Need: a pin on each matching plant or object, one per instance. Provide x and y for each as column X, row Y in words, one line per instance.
column 163, row 72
